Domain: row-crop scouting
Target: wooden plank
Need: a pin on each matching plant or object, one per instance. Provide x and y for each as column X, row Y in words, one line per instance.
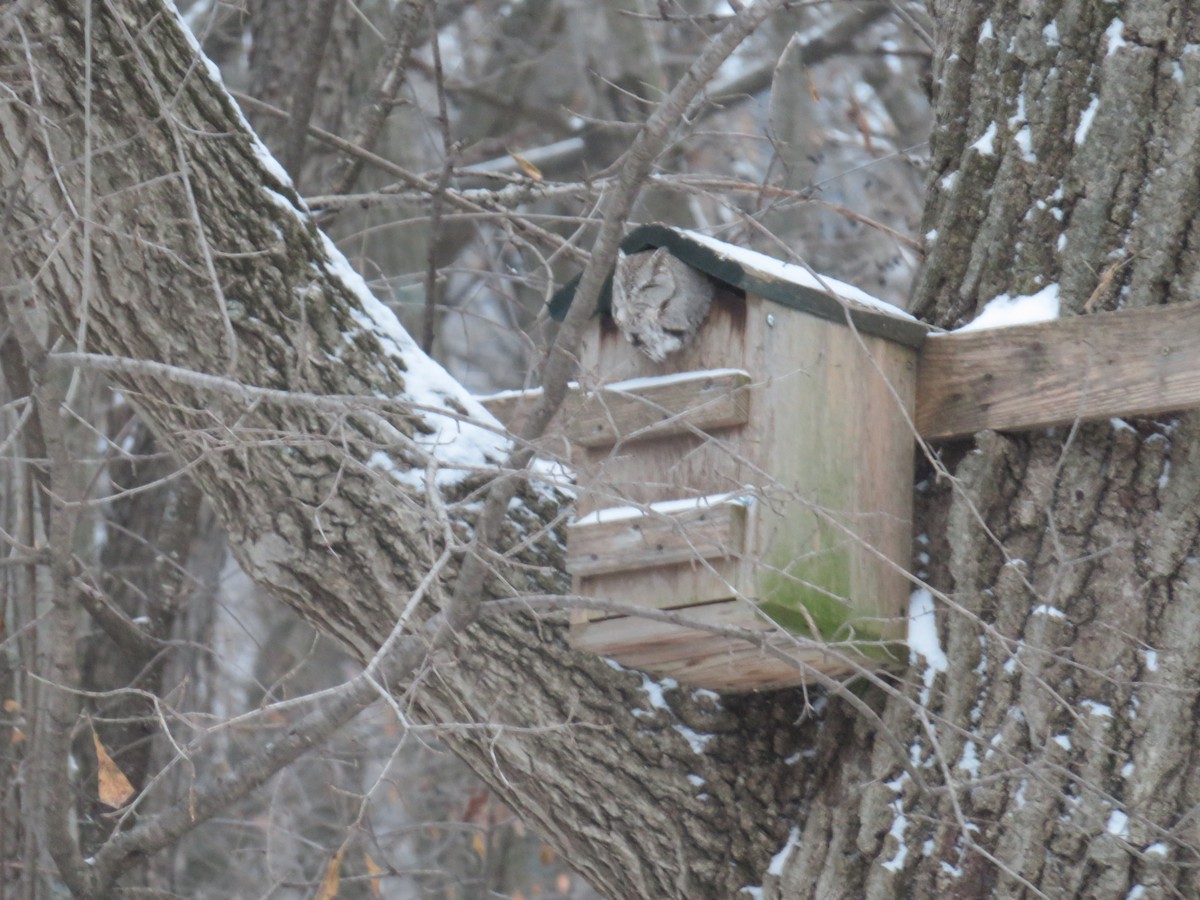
column 833, row 423
column 655, row 537
column 740, row 667
column 638, row 409
column 640, row 641
column 667, row 587
column 1125, row 363
column 700, row 658
column 683, row 464
column 654, row 471
column 657, row 407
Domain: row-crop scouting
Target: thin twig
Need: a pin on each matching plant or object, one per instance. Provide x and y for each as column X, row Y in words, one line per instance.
column 423, row 185
column 438, row 199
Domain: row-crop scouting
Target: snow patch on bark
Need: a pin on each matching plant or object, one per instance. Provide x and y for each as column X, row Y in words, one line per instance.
column 1115, row 35
column 899, row 824
column 1102, row 710
column 1118, row 824
column 269, row 162
column 654, row 694
column 922, row 634
column 986, row 145
column 457, row 443
column 1002, row 310
column 465, row 436
column 969, row 761
column 697, row 741
column 779, row 859
column 1085, row 120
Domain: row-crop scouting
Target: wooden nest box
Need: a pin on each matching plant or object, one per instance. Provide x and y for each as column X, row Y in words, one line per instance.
column 760, row 478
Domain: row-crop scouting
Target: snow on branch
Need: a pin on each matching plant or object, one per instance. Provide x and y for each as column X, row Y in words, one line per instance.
column 464, row 436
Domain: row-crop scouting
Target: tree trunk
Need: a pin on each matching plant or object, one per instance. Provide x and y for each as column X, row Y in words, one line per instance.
column 1054, row 757
column 1058, row 758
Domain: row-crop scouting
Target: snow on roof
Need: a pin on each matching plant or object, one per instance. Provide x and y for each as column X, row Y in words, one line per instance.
column 748, row 271
column 779, row 270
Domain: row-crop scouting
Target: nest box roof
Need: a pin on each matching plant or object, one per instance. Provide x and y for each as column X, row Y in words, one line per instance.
column 764, row 276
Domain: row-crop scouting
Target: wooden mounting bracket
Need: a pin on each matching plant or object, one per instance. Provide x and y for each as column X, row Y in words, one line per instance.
column 1126, row 363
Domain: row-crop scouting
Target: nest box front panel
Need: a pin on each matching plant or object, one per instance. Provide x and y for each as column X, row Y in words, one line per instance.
column 766, row 468
column 720, row 343
column 702, row 451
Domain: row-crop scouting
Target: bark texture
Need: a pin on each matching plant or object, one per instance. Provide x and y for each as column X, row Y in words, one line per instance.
column 1065, row 153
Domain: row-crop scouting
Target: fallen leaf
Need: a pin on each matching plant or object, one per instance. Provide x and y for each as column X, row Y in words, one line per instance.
column 375, row 873
column 476, row 810
column 527, row 167
column 333, row 876
column 113, row 787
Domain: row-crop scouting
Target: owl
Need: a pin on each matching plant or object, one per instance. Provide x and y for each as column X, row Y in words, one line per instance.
column 659, row 301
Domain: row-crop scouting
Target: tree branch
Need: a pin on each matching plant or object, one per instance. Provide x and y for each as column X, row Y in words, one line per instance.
column 304, row 98
column 393, row 72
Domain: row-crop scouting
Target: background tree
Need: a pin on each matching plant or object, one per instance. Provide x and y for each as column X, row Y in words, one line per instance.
column 152, row 240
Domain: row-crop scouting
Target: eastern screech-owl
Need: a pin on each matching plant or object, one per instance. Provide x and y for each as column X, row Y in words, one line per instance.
column 659, row 301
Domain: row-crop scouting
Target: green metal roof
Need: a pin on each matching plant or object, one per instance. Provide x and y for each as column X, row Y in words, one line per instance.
column 738, row 269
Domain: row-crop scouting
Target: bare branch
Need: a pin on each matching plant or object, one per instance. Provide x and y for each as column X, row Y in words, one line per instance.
column 391, row 77
column 304, row 98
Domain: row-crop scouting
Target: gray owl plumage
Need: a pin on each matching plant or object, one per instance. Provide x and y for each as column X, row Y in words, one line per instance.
column 658, row 301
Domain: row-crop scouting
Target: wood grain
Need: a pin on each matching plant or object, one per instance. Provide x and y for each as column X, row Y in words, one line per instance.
column 700, row 658
column 656, row 539
column 705, row 402
column 667, row 587
column 1126, row 363
column 827, row 445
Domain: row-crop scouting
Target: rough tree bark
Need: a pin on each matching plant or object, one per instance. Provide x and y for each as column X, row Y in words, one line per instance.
column 1057, row 747
column 1065, row 153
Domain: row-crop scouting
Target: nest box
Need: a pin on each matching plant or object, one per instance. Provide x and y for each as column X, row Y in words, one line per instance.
column 760, row 478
